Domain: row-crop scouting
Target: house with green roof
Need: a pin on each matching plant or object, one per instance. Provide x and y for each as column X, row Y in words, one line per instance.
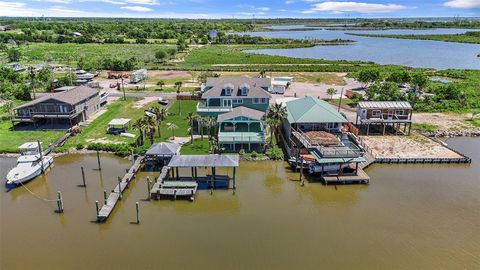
column 318, row 133
column 311, row 114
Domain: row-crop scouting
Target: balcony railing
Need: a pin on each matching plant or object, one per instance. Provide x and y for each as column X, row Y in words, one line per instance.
column 202, row 107
column 43, row 113
column 241, row 137
column 385, row 117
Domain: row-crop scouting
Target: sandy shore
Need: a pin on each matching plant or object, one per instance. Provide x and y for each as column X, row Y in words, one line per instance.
column 414, row 146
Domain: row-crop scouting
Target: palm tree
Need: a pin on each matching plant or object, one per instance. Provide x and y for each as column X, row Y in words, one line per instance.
column 158, row 118
column 150, row 126
column 191, row 120
column 210, row 122
column 172, row 127
column 140, row 125
column 32, row 75
column 163, row 113
column 213, row 142
column 160, row 84
column 273, row 118
column 201, row 123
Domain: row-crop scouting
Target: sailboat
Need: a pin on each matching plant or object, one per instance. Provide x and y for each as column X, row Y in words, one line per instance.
column 30, row 164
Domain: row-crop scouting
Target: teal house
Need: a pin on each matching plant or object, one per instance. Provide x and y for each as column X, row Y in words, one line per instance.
column 238, row 104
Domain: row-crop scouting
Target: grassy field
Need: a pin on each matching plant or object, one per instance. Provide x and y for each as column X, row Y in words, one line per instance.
column 96, row 131
column 177, row 114
column 232, row 57
column 199, row 147
column 306, row 77
column 68, row 53
column 10, row 140
column 461, row 38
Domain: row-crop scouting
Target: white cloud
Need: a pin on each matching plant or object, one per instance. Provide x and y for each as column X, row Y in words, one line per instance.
column 143, row 2
column 61, row 9
column 137, row 8
column 340, row 7
column 113, row 2
column 11, row 5
column 263, row 8
column 463, row 4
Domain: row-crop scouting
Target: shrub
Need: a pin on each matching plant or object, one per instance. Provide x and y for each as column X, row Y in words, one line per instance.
column 241, row 152
column 119, row 149
column 254, row 154
column 275, row 153
column 80, row 146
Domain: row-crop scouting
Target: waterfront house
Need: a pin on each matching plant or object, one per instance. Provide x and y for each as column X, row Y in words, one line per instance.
column 59, row 110
column 221, row 95
column 241, row 128
column 212, row 35
column 381, row 117
column 317, row 133
column 238, row 104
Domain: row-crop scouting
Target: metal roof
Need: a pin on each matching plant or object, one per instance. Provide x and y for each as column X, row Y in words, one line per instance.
column 241, row 111
column 312, row 110
column 187, row 161
column 29, row 145
column 119, row 121
column 215, row 87
column 72, row 96
column 163, row 149
column 384, row 105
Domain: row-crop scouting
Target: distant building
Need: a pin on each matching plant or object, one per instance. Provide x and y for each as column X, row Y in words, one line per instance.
column 5, row 28
column 381, row 117
column 77, row 34
column 59, row 110
column 212, row 35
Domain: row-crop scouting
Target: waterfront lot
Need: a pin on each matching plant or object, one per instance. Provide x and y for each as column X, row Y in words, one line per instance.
column 414, row 146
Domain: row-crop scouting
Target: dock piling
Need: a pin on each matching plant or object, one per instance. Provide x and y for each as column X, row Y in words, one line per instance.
column 119, row 188
column 98, row 161
column 136, row 206
column 148, row 188
column 104, row 197
column 59, row 202
column 302, row 182
column 83, row 177
column 96, row 206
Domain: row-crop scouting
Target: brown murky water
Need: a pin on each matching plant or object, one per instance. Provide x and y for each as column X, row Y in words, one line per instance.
column 409, row 217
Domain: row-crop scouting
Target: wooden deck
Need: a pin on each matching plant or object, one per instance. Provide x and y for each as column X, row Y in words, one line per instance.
column 115, row 195
column 360, row 178
column 163, row 188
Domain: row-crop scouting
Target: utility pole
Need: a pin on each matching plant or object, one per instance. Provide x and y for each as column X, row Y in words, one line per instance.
column 340, row 101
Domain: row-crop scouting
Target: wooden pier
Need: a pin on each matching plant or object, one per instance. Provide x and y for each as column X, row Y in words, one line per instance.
column 116, row 194
column 360, row 178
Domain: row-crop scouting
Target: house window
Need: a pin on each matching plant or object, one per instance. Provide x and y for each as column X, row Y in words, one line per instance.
column 331, row 126
column 399, row 112
column 376, row 113
column 228, row 91
column 264, row 100
column 256, row 101
column 63, row 108
column 260, row 100
column 237, row 101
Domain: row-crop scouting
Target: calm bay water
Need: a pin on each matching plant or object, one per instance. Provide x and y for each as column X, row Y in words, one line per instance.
column 409, row 217
column 413, row 53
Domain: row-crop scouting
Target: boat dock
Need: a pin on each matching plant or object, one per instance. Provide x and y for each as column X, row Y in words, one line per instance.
column 360, row 178
column 116, row 193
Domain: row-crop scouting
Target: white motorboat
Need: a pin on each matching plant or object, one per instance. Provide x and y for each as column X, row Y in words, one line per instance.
column 29, row 165
column 315, row 167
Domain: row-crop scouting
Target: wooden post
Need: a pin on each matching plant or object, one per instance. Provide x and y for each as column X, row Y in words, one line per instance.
column 41, row 156
column 234, row 185
column 98, row 161
column 148, row 188
column 301, row 172
column 96, row 206
column 136, row 207
column 104, row 197
column 119, row 188
column 193, row 173
column 83, row 177
column 59, row 202
column 177, row 174
column 196, row 174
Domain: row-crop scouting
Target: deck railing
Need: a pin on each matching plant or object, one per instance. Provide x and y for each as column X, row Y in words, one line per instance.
column 202, row 107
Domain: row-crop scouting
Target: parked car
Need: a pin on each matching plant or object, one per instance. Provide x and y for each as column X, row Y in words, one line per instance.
column 163, row 101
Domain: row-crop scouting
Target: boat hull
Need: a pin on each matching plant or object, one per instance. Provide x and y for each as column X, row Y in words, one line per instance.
column 24, row 172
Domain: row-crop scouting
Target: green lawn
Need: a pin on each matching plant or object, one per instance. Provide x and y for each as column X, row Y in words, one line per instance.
column 96, row 131
column 199, row 147
column 10, row 140
column 177, row 114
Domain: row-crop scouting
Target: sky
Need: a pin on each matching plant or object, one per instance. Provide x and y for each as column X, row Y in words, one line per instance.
column 213, row 9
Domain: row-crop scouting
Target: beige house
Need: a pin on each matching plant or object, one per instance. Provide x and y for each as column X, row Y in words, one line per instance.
column 59, row 110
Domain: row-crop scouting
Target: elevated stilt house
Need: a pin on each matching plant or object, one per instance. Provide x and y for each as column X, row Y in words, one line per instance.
column 237, row 104
column 384, row 117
